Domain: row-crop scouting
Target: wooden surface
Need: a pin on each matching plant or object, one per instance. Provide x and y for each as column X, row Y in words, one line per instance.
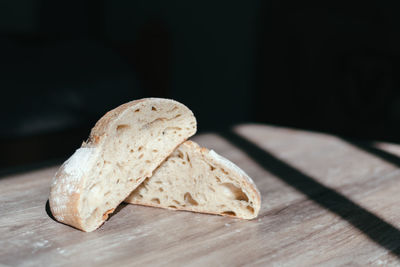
column 325, row 200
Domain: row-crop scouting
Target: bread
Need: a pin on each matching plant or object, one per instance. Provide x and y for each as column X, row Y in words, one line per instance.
column 125, row 146
column 199, row 180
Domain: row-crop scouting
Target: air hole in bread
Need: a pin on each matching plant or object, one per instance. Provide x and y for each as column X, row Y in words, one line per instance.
column 229, row 213
column 218, row 179
column 137, row 110
column 172, row 206
column 155, row 200
column 212, row 168
column 173, row 128
column 176, row 202
column 122, row 127
column 153, row 109
column 234, row 192
column 140, row 148
column 148, row 161
column 250, row 209
column 155, row 150
column 180, row 154
column 107, row 193
column 212, row 189
column 173, row 161
column 223, row 170
column 177, row 116
column 183, row 162
column 131, row 151
column 173, row 109
column 140, row 156
column 189, row 199
column 131, row 180
column 117, row 182
column 160, row 189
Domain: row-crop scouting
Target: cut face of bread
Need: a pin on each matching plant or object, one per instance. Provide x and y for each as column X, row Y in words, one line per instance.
column 125, row 146
column 199, row 180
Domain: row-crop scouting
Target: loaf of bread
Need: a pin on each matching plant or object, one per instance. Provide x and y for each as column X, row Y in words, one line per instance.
column 199, row 180
column 125, row 146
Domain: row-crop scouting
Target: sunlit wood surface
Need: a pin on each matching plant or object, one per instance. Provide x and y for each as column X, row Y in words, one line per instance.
column 325, row 200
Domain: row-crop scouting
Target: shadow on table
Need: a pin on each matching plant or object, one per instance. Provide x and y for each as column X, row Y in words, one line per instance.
column 370, row 148
column 50, row 214
column 48, row 211
column 375, row 228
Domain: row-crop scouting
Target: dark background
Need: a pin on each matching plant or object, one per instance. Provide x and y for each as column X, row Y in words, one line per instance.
column 65, row 63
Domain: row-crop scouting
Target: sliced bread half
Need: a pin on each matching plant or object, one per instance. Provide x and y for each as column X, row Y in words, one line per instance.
column 125, row 146
column 199, row 180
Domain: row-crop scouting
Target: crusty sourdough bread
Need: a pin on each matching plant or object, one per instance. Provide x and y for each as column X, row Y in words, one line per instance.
column 199, row 180
column 125, row 146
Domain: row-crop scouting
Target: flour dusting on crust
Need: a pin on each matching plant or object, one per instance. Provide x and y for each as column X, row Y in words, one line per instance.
column 67, row 180
column 76, row 165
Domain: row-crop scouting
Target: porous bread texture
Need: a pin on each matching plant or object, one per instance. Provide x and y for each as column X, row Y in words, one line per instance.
column 199, row 180
column 125, row 146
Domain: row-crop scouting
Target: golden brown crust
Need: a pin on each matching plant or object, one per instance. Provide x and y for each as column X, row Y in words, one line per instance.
column 107, row 213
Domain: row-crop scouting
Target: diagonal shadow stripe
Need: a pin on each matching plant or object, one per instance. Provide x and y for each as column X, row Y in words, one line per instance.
column 376, row 229
column 368, row 147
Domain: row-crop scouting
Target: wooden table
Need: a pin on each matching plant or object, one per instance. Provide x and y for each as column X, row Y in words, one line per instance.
column 325, row 200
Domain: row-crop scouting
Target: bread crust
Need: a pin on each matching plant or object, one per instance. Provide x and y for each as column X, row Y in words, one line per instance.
column 67, row 187
column 101, row 127
column 64, row 203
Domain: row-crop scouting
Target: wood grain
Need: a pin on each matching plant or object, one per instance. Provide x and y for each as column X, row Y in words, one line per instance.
column 325, row 200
